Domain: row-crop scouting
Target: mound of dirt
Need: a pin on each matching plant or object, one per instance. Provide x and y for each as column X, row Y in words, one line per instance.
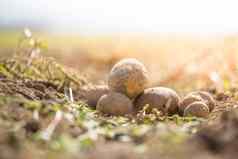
column 220, row 138
column 34, row 90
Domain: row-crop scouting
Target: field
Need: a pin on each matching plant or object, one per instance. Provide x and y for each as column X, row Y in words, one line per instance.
column 43, row 116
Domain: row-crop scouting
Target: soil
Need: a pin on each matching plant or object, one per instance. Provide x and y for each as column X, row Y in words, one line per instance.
column 40, row 119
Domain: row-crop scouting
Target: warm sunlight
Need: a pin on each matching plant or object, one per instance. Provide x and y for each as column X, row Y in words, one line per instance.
column 118, row 79
column 92, row 16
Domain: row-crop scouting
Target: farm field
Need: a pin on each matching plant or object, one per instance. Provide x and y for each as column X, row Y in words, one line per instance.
column 44, row 114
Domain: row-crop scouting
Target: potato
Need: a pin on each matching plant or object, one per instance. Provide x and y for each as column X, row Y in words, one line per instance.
column 198, row 109
column 164, row 99
column 207, row 97
column 187, row 100
column 115, row 104
column 91, row 94
column 129, row 77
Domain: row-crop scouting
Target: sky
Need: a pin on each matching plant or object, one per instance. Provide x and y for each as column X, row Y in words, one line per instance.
column 109, row 16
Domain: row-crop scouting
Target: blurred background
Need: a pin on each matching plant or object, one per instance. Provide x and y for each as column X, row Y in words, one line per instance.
column 177, row 40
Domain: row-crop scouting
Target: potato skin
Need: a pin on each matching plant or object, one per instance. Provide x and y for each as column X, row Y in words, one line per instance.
column 129, row 77
column 207, row 97
column 115, row 104
column 198, row 109
column 164, row 99
column 91, row 94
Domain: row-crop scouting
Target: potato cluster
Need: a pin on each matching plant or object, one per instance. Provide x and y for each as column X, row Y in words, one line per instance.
column 127, row 93
column 198, row 104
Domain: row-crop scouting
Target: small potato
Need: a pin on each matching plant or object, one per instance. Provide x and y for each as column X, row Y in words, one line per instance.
column 186, row 101
column 91, row 94
column 198, row 109
column 164, row 99
column 115, row 104
column 129, row 77
column 207, row 97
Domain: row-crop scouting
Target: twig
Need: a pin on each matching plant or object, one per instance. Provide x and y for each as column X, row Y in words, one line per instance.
column 47, row 133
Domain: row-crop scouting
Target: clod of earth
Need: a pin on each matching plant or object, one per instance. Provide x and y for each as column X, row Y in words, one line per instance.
column 129, row 77
column 198, row 109
column 207, row 97
column 91, row 94
column 221, row 136
column 164, row 99
column 115, row 104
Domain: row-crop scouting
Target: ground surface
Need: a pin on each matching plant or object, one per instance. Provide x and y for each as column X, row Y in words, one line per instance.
column 40, row 118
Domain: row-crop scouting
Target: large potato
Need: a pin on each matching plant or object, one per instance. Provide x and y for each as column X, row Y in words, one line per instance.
column 129, row 77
